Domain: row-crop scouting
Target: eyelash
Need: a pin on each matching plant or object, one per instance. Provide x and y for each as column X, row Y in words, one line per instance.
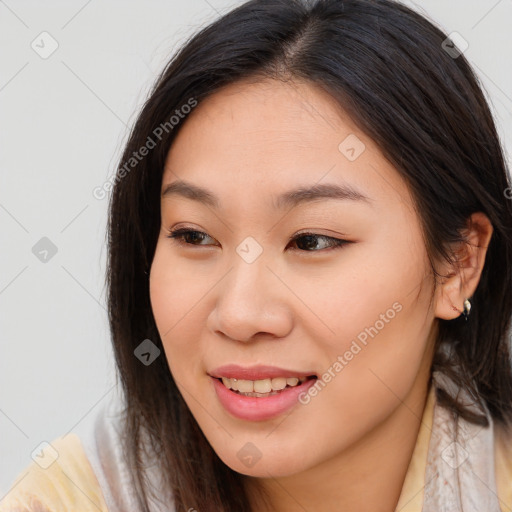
column 178, row 235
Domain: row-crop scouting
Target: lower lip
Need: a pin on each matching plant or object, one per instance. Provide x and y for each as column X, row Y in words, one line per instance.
column 259, row 409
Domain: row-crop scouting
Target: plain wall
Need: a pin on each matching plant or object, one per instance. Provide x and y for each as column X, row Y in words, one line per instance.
column 63, row 120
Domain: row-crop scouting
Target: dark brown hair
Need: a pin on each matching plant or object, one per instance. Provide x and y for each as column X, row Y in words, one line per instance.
column 424, row 107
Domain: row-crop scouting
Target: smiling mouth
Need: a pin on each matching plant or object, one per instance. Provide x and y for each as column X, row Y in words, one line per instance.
column 264, row 387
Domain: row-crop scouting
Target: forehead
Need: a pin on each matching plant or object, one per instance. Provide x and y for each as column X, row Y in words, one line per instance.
column 270, row 136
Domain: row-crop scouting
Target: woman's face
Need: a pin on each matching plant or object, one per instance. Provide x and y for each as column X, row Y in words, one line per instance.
column 249, row 296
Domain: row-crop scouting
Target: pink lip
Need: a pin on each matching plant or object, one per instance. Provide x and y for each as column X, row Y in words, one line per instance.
column 259, row 372
column 260, row 408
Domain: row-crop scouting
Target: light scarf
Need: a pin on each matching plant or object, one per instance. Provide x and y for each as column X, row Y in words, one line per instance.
column 460, row 474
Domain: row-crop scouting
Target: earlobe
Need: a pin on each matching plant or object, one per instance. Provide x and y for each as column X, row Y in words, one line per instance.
column 461, row 278
column 449, row 292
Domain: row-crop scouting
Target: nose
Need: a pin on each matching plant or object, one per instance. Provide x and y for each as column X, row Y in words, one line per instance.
column 251, row 302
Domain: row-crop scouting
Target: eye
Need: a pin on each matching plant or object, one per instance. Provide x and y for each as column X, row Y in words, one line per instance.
column 186, row 236
column 309, row 241
column 306, row 242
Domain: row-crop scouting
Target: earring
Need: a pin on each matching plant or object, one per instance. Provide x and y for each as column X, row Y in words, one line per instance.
column 467, row 309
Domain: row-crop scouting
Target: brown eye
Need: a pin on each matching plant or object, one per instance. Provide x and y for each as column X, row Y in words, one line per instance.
column 309, row 242
column 188, row 236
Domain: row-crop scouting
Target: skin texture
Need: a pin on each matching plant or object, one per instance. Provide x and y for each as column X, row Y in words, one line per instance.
column 349, row 447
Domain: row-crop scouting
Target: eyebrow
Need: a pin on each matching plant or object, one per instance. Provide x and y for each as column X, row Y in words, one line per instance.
column 289, row 199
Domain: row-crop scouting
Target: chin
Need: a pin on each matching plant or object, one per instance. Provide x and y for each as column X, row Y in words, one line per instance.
column 267, row 468
column 264, row 459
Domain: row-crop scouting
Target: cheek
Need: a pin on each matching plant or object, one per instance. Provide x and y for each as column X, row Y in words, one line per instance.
column 367, row 289
column 175, row 297
column 375, row 325
column 177, row 286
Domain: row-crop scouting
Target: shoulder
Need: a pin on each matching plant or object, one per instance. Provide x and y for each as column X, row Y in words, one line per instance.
column 59, row 478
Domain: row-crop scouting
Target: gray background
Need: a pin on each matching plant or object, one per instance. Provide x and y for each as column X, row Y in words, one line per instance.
column 63, row 122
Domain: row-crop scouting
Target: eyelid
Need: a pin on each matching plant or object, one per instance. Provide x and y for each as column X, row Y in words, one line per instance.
column 179, row 227
column 316, row 233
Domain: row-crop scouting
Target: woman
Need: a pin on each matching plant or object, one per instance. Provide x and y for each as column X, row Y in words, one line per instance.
column 310, row 270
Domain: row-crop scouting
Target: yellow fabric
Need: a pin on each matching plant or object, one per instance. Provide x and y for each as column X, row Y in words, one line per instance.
column 68, row 483
column 411, row 497
column 503, row 463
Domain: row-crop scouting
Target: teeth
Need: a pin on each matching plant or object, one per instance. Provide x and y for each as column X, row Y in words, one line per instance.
column 279, row 383
column 263, row 386
column 245, row 386
column 260, row 386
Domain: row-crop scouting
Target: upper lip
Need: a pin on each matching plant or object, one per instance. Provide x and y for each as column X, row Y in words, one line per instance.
column 258, row 372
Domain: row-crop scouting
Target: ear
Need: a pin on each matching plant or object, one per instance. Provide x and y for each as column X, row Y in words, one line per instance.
column 461, row 278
